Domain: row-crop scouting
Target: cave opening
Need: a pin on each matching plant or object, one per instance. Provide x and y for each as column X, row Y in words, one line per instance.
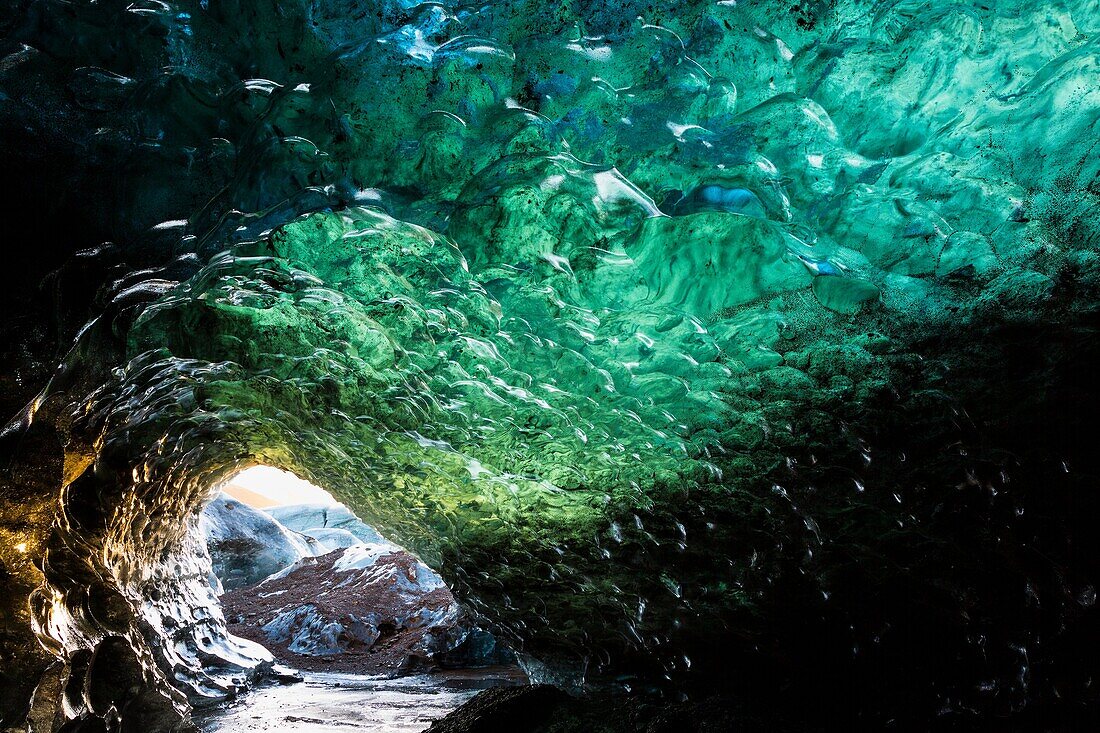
column 734, row 361
column 359, row 630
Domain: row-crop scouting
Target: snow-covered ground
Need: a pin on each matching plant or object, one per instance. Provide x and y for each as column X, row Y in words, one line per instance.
column 335, row 703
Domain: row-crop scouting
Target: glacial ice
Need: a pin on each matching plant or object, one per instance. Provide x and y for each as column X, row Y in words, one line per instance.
column 692, row 344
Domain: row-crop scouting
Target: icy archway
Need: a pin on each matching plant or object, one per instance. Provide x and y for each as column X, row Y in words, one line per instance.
column 695, row 345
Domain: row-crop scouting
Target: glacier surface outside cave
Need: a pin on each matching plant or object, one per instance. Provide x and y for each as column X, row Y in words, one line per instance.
column 698, row 346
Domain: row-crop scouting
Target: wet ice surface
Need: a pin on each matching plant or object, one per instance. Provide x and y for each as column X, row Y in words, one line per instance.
column 326, row 702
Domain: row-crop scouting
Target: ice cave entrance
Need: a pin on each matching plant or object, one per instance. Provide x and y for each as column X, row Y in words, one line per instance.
column 373, row 634
column 264, row 486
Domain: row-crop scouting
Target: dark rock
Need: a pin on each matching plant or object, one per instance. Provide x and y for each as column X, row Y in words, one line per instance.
column 366, row 609
column 505, row 710
column 546, row 709
column 285, row 676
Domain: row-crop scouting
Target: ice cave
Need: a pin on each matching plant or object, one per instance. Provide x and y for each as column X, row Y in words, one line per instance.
column 729, row 364
column 317, row 598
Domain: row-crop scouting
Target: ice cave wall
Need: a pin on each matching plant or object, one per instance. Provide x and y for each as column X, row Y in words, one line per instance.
column 703, row 346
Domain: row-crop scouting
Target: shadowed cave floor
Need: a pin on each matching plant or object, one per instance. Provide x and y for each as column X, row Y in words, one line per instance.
column 324, row 702
column 491, row 700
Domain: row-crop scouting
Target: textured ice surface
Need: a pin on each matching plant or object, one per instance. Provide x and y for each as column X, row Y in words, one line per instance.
column 314, row 518
column 688, row 341
column 336, row 703
column 246, row 545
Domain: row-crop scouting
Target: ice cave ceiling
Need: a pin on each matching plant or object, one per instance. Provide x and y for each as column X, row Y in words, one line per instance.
column 735, row 345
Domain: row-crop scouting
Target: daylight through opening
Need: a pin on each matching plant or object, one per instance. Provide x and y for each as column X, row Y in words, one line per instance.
column 341, row 609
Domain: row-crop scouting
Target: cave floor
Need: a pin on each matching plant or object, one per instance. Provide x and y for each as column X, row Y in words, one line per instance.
column 325, row 702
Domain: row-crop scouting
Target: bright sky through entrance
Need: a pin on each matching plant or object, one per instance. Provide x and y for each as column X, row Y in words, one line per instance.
column 264, row 486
